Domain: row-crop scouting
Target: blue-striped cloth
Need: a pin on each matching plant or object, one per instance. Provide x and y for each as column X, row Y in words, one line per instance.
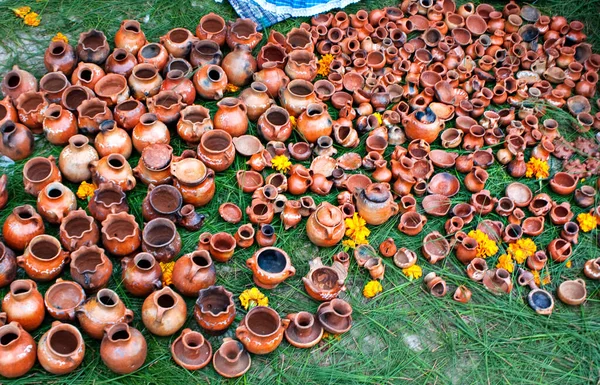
column 268, row 12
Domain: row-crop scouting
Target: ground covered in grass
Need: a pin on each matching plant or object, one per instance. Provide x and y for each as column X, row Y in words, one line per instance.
column 404, row 335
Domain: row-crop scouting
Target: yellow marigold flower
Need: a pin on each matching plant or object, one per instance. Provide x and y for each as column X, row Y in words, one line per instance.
column 281, row 163
column 356, row 229
column 324, row 64
column 22, row 11
column 32, row 19
column 379, row 118
column 540, row 281
column 505, row 262
column 485, row 246
column 60, row 37
column 372, row 288
column 253, row 297
column 587, row 222
column 167, row 272
column 522, row 249
column 86, row 190
column 348, row 244
column 231, row 88
column 568, row 264
column 293, row 121
column 330, row 336
column 413, row 272
column 537, row 168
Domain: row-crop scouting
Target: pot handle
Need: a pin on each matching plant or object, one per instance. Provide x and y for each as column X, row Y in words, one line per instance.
column 580, row 281
column 285, row 322
column 250, row 263
column 329, row 232
column 241, row 332
column 291, row 271
column 194, row 269
column 128, row 315
column 21, row 260
column 125, row 262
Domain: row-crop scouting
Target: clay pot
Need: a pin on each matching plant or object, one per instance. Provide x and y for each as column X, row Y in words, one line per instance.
column 8, row 265
column 154, row 54
column 256, row 100
column 178, row 42
column 17, row 141
column 141, row 275
column 411, row 223
column 91, row 268
column 52, row 85
column 561, row 213
column 194, row 272
column 435, row 247
column 325, row 227
column 78, row 229
column 466, row 250
column 572, row 292
column 299, row 180
column 61, row 349
column 423, row 125
column 164, row 312
column 335, row 316
column 120, row 234
column 541, row 204
column 191, row 351
column 290, row 216
column 216, row 150
column 21, row 226
column 533, row 226
column 272, row 77
column 301, row 64
column 177, row 81
column 476, row 269
column 38, row 173
column 436, row 285
column 149, row 131
column 591, row 269
column 314, row 122
column 231, row 360
column 297, row 96
column 43, row 260
column 108, row 198
column 92, row 113
column 497, row 281
column 239, row 65
column 92, row 47
column 462, row 294
column 123, row 349
column 112, row 140
column 55, row 201
column 7, row 111
column 195, row 121
column 537, row 261
column 24, row 304
column 161, row 239
column 444, row 184
column 85, row 75
column 560, row 250
column 270, row 266
column 190, row 219
column 163, row 201
column 212, row 27
column 210, row 82
column 205, row 52
column 166, row 106
column 222, row 246
column 74, row 159
column 113, row 168
column 266, row 236
column 121, row 62
column 231, row 116
column 17, row 82
column 194, row 181
column 563, row 183
column 18, row 351
column 59, row 124
column 261, row 330
column 62, row 298
column 272, row 54
column 214, row 310
column 59, row 56
column 304, row 331
column 324, row 283
column 154, row 166
column 375, row 204
column 145, row 81
column 243, row 32
column 98, row 312
column 247, row 145
column 585, row 196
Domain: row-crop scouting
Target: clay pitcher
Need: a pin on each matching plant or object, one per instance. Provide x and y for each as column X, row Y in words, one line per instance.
column 130, row 36
column 44, row 259
column 300, row 180
column 296, row 96
column 16, row 141
column 17, row 82
column 123, row 349
column 256, row 99
column 274, row 124
column 193, row 272
column 243, row 31
column 21, row 226
column 164, row 312
column 141, row 275
column 100, row 311
column 273, row 77
column 261, row 330
column 74, row 159
column 231, row 116
column 315, row 122
column 38, row 173
column 61, row 349
column 375, row 203
column 216, row 150
column 164, row 201
column 325, row 227
column 24, row 304
column 59, row 124
column 18, row 351
column 113, row 168
column 239, row 65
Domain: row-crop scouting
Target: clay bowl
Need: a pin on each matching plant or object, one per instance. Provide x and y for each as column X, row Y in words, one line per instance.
column 62, row 298
column 422, row 169
column 435, row 247
column 464, row 123
column 442, row 158
column 437, row 205
column 349, row 161
column 230, row 212
column 340, row 99
column 563, row 183
column 249, row 181
column 247, row 145
column 300, row 150
column 444, row 184
column 519, row 193
column 357, row 180
column 483, row 159
column 578, row 104
column 533, row 226
column 572, row 292
column 323, row 165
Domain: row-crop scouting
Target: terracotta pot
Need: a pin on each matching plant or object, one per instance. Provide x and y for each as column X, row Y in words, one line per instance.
column 91, row 113
column 17, row 141
column 38, row 173
column 375, row 204
column 335, row 316
column 53, row 85
column 537, row 261
column 154, row 166
column 112, row 89
column 166, row 106
column 247, row 145
column 560, row 250
column 299, row 180
column 585, row 196
column 273, row 77
column 256, row 100
column 194, row 272
column 210, row 82
column 275, row 124
column 477, row 268
column 325, row 227
column 266, row 236
column 62, row 298
column 222, row 246
column 150, row 130
column 130, row 36
column 498, row 281
column 86, row 75
column 435, row 247
column 212, row 27
column 161, row 239
column 7, row 111
column 231, row 116
column 18, row 351
column 55, row 201
column 163, row 201
column 123, row 349
column 191, row 351
column 273, row 54
column 17, row 82
column 436, row 285
column 563, row 183
column 113, row 168
column 324, row 283
column 261, row 330
column 154, row 54
column 98, row 312
column 121, row 62
column 301, row 64
column 92, row 47
column 30, row 108
column 194, row 181
column 21, row 226
column 112, row 140
column 231, row 360
column 120, row 234
column 74, row 159
column 296, row 96
column 242, row 32
column 164, row 312
column 591, row 269
column 59, row 125
column 178, row 42
column 303, row 331
column 8, row 265
column 59, row 56
column 190, row 219
column 108, row 198
column 572, row 292
column 423, row 125
column 78, row 229
column 141, row 275
column 239, row 65
column 24, row 304
column 214, row 310
column 144, row 81
column 91, row 268
column 315, row 122
column 195, row 121
column 466, row 250
column 533, row 226
column 216, row 150
column 559, row 213
column 61, row 349
column 205, row 52
column 177, row 81
column 270, row 266
column 43, row 260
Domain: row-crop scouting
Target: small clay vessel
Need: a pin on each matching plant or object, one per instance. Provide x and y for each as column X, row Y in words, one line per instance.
column 190, row 219
column 60, row 56
column 560, row 250
column 59, row 124
column 194, row 122
column 123, row 348
column 150, row 130
column 314, row 122
column 214, row 310
column 78, row 229
column 113, row 168
column 8, row 265
column 324, row 283
column 570, row 232
column 261, row 330
column 194, row 180
column 498, row 281
column 304, row 331
column 21, row 226
column 210, row 82
column 462, row 294
column 222, row 246
column 265, row 236
column 30, row 107
column 130, row 36
column 121, row 62
column 325, row 227
column 108, row 198
column 270, row 266
column 591, row 268
column 231, row 360
column 62, row 298
column 144, row 81
column 17, row 82
column 375, row 203
column 18, row 351
column 230, row 212
column 260, row 211
column 466, row 250
column 299, row 180
column 204, row 53
column 256, row 99
column 16, row 141
column 92, row 47
column 561, row 213
column 249, row 181
column 164, row 312
column 91, row 268
column 154, row 54
column 239, row 65
column 43, row 259
column 127, row 114
column 563, row 183
column 296, row 96
column 541, row 204
column 102, row 310
column 216, row 150
column 24, row 304
column 212, row 27
column 335, row 316
column 90, row 113
column 537, row 261
column 244, row 236
column 163, row 201
column 404, row 258
column 585, row 196
column 85, row 75
column 435, row 247
column 55, row 202
column 38, row 173
column 436, row 285
column 290, row 215
column 193, row 272
column 243, row 32
column 161, row 239
column 121, row 234
column 191, row 351
column 75, row 158
column 572, row 292
column 61, row 349
column 141, row 275
column 411, row 223
column 476, row 269
column 112, row 140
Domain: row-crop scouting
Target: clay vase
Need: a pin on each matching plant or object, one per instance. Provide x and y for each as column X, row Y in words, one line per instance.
column 210, row 82
column 231, row 360
column 315, row 122
column 164, row 201
column 584, row 196
column 16, row 142
column 572, row 292
column 130, row 36
column 423, row 125
column 301, row 64
column 91, row 268
column 231, row 116
column 141, row 275
column 261, row 330
column 120, row 234
column 242, row 32
column 78, row 229
column 324, row 283
column 154, row 166
column 300, row 180
column 85, row 75
column 335, row 316
column 112, row 140
column 21, row 226
column 190, row 219
column 498, row 281
column 59, row 124
column 304, row 331
column 121, row 62
column 296, row 96
column 204, row 53
column 98, row 312
column 164, row 312
column 375, row 203
column 256, row 99
column 239, row 65
column 190, row 350
column 62, row 298
column 290, row 216
column 55, row 202
column 212, row 27
column 60, row 56
column 214, row 310
column 177, row 81
column 38, row 173
column 149, row 131
column 8, row 265
column 17, row 82
column 74, row 159
column 24, row 304
column 193, row 272
column 61, row 349
column 260, row 212
column 194, row 122
column 18, row 351
column 91, row 113
column 123, row 348
column 222, row 246
column 144, row 81
column 265, row 236
column 216, row 150
column 194, row 181
column 43, row 259
column 161, row 239
column 272, row 77
column 108, row 198
column 325, row 227
column 270, row 266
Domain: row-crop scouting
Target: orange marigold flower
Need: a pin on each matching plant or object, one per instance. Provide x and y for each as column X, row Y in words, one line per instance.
column 231, row 88
column 537, row 168
column 60, row 37
column 32, row 19
column 167, row 272
column 22, row 11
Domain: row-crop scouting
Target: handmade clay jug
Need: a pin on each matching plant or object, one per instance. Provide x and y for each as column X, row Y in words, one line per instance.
column 61, row 349
column 102, row 310
column 325, row 283
column 108, row 198
column 43, row 259
column 144, row 81
column 59, row 124
column 112, row 140
column 149, row 131
column 195, row 121
column 130, row 36
column 123, row 348
column 154, row 166
column 239, row 65
column 194, row 272
column 212, row 27
column 17, row 82
column 210, row 82
column 161, row 239
column 21, row 226
column 18, row 350
column 55, row 202
column 164, row 312
column 194, row 180
column 164, row 201
column 270, row 266
column 231, row 116
column 92, row 47
column 16, row 141
column 296, row 96
column 113, row 168
column 261, row 330
column 216, row 150
column 38, row 173
column 314, row 122
column 375, row 203
column 325, row 227
column 242, row 32
column 231, row 360
column 74, row 159
column 24, row 304
column 121, row 234
column 60, row 56
column 141, row 274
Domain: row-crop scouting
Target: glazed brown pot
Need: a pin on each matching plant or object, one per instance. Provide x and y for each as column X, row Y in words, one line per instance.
column 375, row 204
column 91, row 268
column 8, row 265
column 154, row 166
column 130, row 36
column 91, row 113
column 59, row 124
column 214, row 310
column 423, row 125
column 144, row 81
column 216, row 150
column 296, row 96
column 112, row 89
column 24, row 304
column 243, row 31
column 121, row 62
column 21, row 226
column 256, row 99
column 92, row 47
column 270, row 266
column 16, row 141
column 60, row 56
column 30, row 107
column 260, row 211
column 261, row 330
column 112, row 140
column 210, row 82
column 212, row 27
column 190, row 219
column 154, row 54
column 62, row 298
column 102, row 310
column 178, row 42
column 38, row 173
column 325, row 227
column 123, row 349
column 55, row 202
column 164, row 312
column 163, row 201
column 193, row 272
column 205, row 52
column 166, row 105
column 239, row 65
column 141, row 274
column 194, row 180
column 315, row 122
column 17, row 82
column 161, row 239
column 44, row 259
column 61, row 349
column 78, row 229
column 274, row 124
column 195, row 121
column 191, row 351
column 335, row 316
column 86, row 75
column 231, row 116
column 108, row 198
column 150, row 130
column 74, row 159
column 273, row 77
column 18, row 350
column 121, row 234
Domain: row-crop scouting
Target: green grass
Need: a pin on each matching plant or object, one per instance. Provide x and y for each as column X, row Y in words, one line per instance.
column 404, row 335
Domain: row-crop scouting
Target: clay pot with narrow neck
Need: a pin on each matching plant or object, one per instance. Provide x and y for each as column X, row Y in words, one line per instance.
column 176, row 81
column 86, row 75
column 121, row 62
column 44, row 259
column 59, row 124
column 265, row 236
column 17, row 82
column 130, row 36
column 273, row 77
column 261, row 330
column 270, row 266
column 231, row 116
column 24, row 304
column 112, row 140
column 141, row 274
column 8, row 265
column 212, row 27
column 60, row 56
column 17, row 140
column 423, row 125
column 335, row 316
column 55, row 202
column 299, row 180
column 239, row 65
column 256, row 99
column 216, row 150
column 92, row 47
column 78, row 229
column 194, row 180
column 102, row 310
column 214, row 310
column 231, row 360
column 61, row 349
column 74, row 159
column 150, row 130
column 123, row 349
column 210, row 82
column 154, row 166
column 21, row 226
column 375, row 203
column 38, row 173
column 325, row 226
column 144, row 81
column 18, row 351
column 243, row 32
column 274, row 124
column 178, row 42
column 194, row 272
column 108, row 198
column 191, row 351
column 244, row 237
column 315, row 122
column 91, row 268
column 120, row 234
column 113, row 168
column 62, row 298
column 164, row 312
column 189, row 219
column 304, row 331
column 498, row 281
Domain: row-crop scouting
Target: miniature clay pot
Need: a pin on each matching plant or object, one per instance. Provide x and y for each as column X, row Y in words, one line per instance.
column 533, row 226
column 121, row 62
column 8, row 265
column 335, row 316
column 113, row 168
column 537, row 261
column 86, row 75
column 304, row 331
column 17, row 82
column 260, row 212
column 476, row 269
column 325, row 227
column 154, row 54
column 164, row 312
column 435, row 247
column 436, row 285
column 59, row 56
column 560, row 250
column 243, row 32
column 270, row 266
column 214, row 310
column 222, row 246
column 216, row 150
column 44, row 259
column 112, row 140
column 324, row 283
column 462, row 294
column 144, row 81
column 212, row 27
column 91, row 268
column 585, row 196
column 195, row 182
column 163, row 201
column 61, row 349
column 62, row 298
column 204, row 53
column 18, row 351
column 108, row 198
column 231, row 360
column 244, row 237
column 16, row 141
column 121, row 234
column 127, row 114
column 92, row 47
column 266, row 236
column 466, row 250
column 190, row 219
column 563, row 183
column 21, row 226
column 59, row 124
column 141, row 275
column 375, row 203
column 194, row 272
column 591, row 268
column 75, row 158
column 123, row 348
column 191, row 351
column 24, row 304
column 299, row 180
column 411, row 223
column 91, row 113
column 161, row 239
column 572, row 292
column 230, row 212
column 559, row 213
column 78, row 229
column 30, row 108
column 102, row 310
column 497, row 281
column 249, row 181
column 405, row 258
column 261, row 330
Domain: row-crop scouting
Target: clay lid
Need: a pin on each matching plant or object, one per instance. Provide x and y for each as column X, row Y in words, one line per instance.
column 329, row 215
column 157, row 156
column 189, row 170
